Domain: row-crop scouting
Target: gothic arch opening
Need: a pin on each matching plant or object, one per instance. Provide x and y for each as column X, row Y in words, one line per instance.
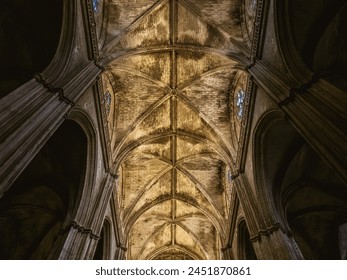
column 315, row 205
column 315, row 31
column 245, row 246
column 29, row 36
column 99, row 252
column 102, row 248
column 302, row 189
column 34, row 209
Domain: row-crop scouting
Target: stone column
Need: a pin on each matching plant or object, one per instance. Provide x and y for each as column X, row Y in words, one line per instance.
column 31, row 114
column 269, row 239
column 316, row 109
column 98, row 210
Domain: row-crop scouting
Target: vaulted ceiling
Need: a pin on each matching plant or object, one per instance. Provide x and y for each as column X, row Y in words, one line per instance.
column 174, row 97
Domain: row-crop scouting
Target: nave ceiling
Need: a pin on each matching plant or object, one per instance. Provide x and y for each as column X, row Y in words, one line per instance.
column 175, row 99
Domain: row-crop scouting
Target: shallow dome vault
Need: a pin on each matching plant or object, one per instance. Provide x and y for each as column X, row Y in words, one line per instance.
column 174, row 97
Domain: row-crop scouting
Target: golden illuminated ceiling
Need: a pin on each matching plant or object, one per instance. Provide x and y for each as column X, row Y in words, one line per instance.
column 172, row 72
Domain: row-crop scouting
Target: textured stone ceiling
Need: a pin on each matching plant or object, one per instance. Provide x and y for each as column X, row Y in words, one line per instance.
column 171, row 69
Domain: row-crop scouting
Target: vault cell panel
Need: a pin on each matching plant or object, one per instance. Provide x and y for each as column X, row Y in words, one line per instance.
column 210, row 95
column 137, row 173
column 122, row 13
column 160, row 148
column 152, row 30
column 186, row 240
column 160, row 188
column 187, row 188
column 160, row 209
column 206, row 233
column 154, row 65
column 186, row 209
column 187, row 147
column 224, row 14
column 145, row 240
column 208, row 172
column 189, row 120
column 141, row 232
column 162, row 239
column 193, row 30
column 191, row 65
column 200, row 227
column 134, row 96
column 156, row 123
column 147, row 224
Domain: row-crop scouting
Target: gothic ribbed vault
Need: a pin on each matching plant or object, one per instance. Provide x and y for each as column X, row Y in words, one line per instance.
column 174, row 100
column 173, row 129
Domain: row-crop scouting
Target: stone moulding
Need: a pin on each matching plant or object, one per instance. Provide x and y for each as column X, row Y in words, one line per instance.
column 80, row 229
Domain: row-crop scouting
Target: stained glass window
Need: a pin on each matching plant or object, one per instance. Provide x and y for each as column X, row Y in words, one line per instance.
column 252, row 4
column 230, row 176
column 240, row 102
column 96, row 5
